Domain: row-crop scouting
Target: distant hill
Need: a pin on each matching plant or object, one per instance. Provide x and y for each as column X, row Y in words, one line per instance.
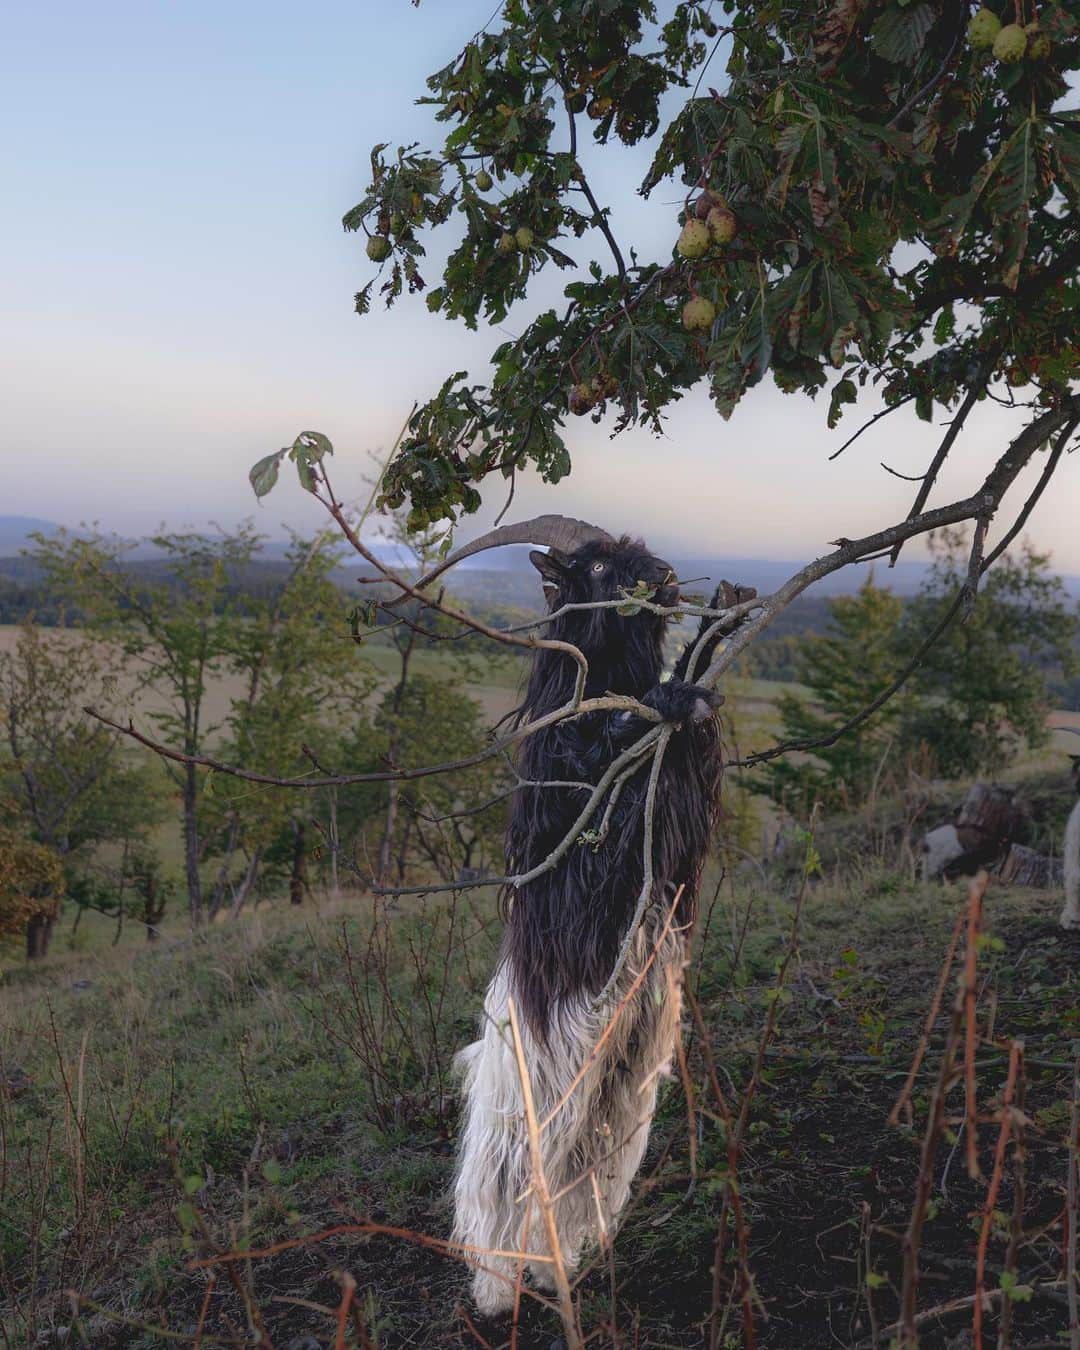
column 15, row 532
column 508, row 574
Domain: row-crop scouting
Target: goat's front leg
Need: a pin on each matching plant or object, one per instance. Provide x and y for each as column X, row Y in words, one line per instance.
column 724, row 597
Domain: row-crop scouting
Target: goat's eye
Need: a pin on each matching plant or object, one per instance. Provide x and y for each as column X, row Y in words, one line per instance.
column 598, row 567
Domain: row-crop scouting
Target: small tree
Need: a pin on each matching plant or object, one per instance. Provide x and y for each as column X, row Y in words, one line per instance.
column 31, row 888
column 972, row 696
column 304, row 680
column 843, row 672
column 175, row 630
column 982, row 689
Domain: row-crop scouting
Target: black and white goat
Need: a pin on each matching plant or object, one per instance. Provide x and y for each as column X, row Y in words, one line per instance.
column 567, row 928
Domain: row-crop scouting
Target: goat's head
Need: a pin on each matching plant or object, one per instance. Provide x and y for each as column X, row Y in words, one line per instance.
column 583, row 565
column 606, row 570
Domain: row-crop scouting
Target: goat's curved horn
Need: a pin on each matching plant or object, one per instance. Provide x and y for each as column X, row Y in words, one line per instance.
column 559, row 532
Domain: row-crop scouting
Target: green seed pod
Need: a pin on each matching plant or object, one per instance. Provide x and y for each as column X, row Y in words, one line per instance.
column 983, row 29
column 694, row 240
column 482, row 181
column 378, row 248
column 507, row 243
column 722, row 225
column 524, row 237
column 698, row 314
column 1010, row 44
column 1038, row 44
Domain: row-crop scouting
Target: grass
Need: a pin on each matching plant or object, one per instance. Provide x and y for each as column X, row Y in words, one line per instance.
column 291, row 1071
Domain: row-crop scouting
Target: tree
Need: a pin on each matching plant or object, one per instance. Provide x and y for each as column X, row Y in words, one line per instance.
column 65, row 781
column 894, row 216
column 839, row 688
column 31, row 888
column 175, row 631
column 971, row 698
column 304, row 681
column 57, row 762
column 982, row 689
column 881, row 203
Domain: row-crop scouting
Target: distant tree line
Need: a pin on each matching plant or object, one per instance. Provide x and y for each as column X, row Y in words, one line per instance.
column 212, row 652
column 974, row 696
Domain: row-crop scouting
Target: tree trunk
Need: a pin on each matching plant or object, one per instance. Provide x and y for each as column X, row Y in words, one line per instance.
column 387, row 845
column 191, row 846
column 298, row 879
column 217, row 896
column 153, row 906
column 988, row 821
column 246, row 883
column 1024, row 867
column 335, row 886
column 38, row 933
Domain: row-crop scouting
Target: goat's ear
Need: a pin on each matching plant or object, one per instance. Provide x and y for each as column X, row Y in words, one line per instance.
column 550, row 565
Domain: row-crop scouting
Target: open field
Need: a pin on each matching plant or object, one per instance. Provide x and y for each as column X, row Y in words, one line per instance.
column 165, row 1101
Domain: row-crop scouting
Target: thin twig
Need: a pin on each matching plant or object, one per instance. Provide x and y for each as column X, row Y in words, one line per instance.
column 1016, row 1061
column 571, row 1329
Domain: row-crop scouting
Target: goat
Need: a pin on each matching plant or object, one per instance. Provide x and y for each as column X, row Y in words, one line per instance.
column 565, row 928
column 1070, row 915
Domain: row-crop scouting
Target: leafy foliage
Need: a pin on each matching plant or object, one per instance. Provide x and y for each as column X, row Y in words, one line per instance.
column 974, row 699
column 983, row 688
column 841, row 687
column 901, row 199
column 31, row 883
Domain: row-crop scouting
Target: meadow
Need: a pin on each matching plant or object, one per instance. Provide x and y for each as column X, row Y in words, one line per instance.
column 278, row 1091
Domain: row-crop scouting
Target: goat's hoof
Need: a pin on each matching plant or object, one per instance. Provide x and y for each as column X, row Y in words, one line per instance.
column 493, row 1297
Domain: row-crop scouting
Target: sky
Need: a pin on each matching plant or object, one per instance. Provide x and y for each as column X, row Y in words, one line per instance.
column 176, row 299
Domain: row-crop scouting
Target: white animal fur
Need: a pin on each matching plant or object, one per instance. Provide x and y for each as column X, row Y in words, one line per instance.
column 1070, row 915
column 593, row 1146
column 940, row 847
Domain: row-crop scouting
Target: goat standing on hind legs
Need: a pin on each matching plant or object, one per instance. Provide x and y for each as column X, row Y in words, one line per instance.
column 566, row 927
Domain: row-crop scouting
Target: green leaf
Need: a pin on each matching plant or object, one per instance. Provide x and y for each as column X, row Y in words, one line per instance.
column 313, row 444
column 264, row 474
column 900, row 33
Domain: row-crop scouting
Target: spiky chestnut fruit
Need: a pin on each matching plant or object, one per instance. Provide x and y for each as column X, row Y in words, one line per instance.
column 482, row 180
column 378, row 248
column 582, row 399
column 1010, row 44
column 694, row 240
column 722, row 225
column 983, row 30
column 524, row 238
column 698, row 314
column 577, row 100
column 598, row 108
column 605, row 385
column 1038, row 44
column 705, row 204
column 507, row 243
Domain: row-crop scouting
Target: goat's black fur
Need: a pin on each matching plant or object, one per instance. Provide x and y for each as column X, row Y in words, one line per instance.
column 564, row 929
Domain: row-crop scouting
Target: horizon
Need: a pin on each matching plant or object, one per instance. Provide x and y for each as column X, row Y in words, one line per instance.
column 194, row 311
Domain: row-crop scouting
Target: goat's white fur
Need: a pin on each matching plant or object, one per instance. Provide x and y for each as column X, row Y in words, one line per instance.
column 1070, row 915
column 940, row 848
column 594, row 1144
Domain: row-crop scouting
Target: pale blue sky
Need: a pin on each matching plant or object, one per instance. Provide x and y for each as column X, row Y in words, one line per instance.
column 176, row 295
